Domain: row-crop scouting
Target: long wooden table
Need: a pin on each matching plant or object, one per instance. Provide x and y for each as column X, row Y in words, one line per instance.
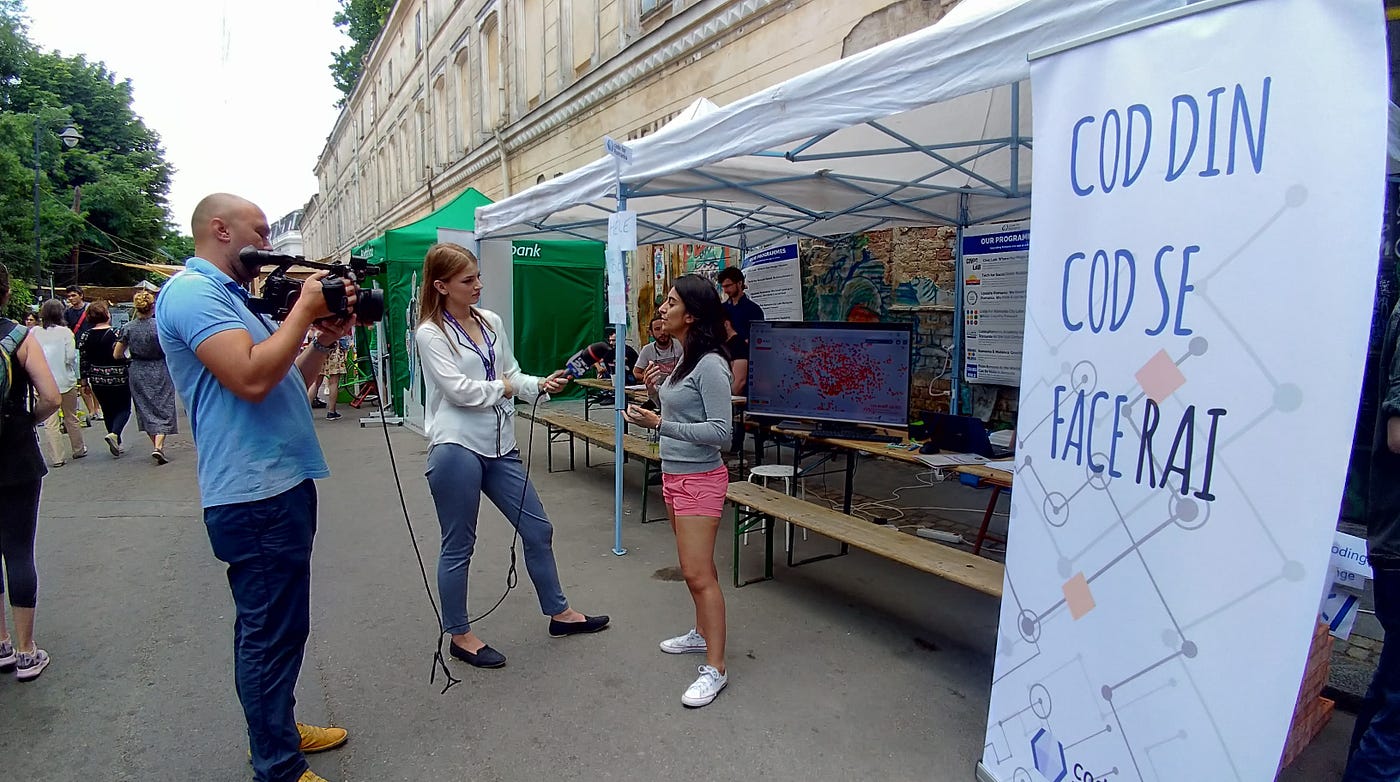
column 900, row 452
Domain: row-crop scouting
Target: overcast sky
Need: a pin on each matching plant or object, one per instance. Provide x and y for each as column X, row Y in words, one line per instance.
column 240, row 92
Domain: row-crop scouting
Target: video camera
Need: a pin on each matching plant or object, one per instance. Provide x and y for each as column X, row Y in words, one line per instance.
column 280, row 292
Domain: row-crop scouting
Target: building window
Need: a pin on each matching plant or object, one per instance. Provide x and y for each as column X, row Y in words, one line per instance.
column 463, row 88
column 651, row 5
column 532, row 48
column 585, row 33
column 491, row 86
column 418, row 33
column 442, row 142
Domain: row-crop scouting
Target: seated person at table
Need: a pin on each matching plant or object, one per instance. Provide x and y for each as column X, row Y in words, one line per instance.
column 662, row 351
column 607, row 363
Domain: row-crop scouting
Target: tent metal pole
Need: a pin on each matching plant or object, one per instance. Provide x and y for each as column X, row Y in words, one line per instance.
column 955, row 400
column 619, row 399
column 1016, row 137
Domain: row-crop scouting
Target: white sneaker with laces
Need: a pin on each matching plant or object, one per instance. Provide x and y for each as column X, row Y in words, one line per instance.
column 7, row 656
column 28, row 665
column 705, row 688
column 690, row 643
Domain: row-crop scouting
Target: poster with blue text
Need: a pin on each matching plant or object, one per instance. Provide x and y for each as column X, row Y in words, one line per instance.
column 1204, row 230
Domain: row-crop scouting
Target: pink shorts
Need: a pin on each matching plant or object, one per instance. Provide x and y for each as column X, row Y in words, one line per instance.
column 697, row 494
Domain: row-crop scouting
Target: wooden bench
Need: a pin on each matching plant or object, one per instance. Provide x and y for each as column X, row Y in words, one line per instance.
column 756, row 509
column 564, row 427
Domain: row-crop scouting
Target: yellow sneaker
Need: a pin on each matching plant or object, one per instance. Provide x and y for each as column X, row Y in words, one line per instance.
column 311, row 776
column 314, row 739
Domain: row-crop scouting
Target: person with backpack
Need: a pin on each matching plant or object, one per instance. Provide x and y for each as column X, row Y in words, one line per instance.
column 28, row 395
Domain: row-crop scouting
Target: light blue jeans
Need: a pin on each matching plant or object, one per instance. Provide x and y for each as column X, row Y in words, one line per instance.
column 457, row 478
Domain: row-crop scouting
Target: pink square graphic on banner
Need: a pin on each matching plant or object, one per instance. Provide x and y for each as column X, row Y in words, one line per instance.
column 1077, row 596
column 1160, row 376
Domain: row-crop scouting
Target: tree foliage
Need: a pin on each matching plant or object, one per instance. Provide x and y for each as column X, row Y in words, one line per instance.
column 362, row 20
column 117, row 175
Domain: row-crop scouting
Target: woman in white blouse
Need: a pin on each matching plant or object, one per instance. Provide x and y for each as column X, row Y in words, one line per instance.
column 472, row 379
column 60, row 351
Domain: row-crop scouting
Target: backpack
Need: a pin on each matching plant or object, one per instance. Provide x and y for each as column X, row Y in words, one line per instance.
column 11, row 335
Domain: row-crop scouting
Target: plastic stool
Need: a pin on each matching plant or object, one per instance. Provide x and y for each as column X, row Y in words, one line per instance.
column 759, row 474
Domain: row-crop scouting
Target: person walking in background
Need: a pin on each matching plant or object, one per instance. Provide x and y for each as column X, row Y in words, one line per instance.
column 149, row 381
column 32, row 396
column 31, row 320
column 737, row 305
column 76, row 316
column 1375, row 742
column 331, row 372
column 472, row 379
column 106, row 374
column 61, row 354
column 695, row 423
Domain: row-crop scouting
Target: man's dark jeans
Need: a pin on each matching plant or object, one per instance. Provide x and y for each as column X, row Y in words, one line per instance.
column 267, row 545
column 1375, row 744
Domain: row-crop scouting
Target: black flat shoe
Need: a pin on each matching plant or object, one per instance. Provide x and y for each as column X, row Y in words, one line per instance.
column 486, row 657
column 590, row 624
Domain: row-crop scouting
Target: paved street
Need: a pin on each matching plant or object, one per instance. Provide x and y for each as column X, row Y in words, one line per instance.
column 855, row 668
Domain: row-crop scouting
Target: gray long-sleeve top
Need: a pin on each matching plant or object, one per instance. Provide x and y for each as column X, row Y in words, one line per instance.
column 696, row 418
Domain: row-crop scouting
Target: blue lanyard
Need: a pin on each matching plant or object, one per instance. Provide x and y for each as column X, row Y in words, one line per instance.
column 488, row 359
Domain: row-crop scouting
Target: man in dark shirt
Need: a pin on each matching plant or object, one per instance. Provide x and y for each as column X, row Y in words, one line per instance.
column 1375, row 743
column 609, row 361
column 76, row 318
column 741, row 309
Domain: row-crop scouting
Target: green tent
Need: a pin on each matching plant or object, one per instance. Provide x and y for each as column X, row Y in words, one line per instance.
column 559, row 301
column 558, row 290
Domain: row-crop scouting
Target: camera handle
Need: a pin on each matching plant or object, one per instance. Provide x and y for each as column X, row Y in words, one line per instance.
column 334, row 292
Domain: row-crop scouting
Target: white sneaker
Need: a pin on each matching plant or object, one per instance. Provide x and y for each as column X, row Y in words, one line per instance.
column 690, row 643
column 705, row 688
column 28, row 665
column 7, row 656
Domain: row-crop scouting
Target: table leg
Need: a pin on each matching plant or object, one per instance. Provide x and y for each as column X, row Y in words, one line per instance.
column 986, row 520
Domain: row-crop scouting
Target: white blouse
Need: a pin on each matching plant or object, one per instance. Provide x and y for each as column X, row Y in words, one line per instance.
column 463, row 406
column 61, row 353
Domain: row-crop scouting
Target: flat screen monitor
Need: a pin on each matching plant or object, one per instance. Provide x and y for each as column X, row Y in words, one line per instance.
column 855, row 373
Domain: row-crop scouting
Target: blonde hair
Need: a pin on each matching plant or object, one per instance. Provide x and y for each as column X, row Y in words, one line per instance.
column 144, row 302
column 444, row 261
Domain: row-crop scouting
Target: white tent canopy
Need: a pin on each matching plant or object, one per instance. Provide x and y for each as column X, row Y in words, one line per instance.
column 932, row 128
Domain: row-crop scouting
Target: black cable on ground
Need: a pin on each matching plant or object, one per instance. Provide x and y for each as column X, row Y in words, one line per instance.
column 512, row 576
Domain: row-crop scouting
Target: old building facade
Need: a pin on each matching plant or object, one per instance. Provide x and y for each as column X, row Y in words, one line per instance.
column 498, row 95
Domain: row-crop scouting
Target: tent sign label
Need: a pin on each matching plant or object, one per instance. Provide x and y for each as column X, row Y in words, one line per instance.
column 617, row 149
column 622, row 231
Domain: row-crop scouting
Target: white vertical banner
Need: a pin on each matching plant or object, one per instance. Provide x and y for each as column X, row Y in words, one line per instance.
column 1205, row 220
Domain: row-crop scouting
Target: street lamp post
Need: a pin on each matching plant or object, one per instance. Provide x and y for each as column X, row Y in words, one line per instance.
column 71, row 137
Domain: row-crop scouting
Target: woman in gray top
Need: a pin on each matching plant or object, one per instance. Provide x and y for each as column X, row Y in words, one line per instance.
column 695, row 422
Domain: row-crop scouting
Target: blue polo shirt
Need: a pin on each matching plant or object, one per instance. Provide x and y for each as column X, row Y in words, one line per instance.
column 246, row 451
